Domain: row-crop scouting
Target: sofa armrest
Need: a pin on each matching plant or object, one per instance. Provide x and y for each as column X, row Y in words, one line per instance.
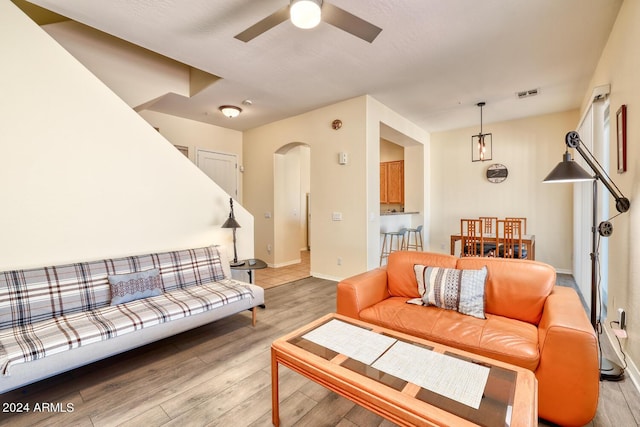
column 361, row 291
column 568, row 374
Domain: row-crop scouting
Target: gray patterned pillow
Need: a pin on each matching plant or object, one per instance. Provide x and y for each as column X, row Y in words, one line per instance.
column 452, row 289
column 133, row 286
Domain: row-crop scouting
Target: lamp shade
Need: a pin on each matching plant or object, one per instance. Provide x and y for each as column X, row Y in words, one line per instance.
column 231, row 223
column 305, row 14
column 568, row 171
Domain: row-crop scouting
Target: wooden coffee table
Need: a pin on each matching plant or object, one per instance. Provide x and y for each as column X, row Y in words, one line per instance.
column 509, row 396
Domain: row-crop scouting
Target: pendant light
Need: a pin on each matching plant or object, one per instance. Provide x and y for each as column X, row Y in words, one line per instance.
column 481, row 144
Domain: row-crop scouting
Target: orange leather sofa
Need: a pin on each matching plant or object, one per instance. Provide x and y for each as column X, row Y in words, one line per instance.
column 529, row 322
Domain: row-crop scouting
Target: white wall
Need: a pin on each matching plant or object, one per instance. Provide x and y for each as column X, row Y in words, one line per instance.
column 529, row 148
column 84, row 176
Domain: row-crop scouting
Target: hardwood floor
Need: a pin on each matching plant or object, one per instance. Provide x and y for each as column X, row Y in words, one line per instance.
column 219, row 375
column 270, row 277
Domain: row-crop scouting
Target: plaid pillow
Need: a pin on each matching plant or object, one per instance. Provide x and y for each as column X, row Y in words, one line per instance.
column 452, row 289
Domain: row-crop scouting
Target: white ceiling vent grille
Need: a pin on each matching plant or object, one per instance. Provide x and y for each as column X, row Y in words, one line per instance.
column 527, row 93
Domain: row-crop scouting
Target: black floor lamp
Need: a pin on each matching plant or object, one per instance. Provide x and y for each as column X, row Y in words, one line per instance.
column 233, row 224
column 569, row 171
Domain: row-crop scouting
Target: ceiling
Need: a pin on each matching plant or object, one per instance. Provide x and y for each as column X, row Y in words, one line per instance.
column 432, row 63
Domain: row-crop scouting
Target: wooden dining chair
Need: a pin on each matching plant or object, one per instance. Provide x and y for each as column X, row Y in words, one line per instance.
column 472, row 237
column 489, row 223
column 509, row 237
column 522, row 220
column 490, row 242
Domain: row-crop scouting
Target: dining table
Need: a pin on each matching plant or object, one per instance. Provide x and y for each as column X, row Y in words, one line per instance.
column 527, row 239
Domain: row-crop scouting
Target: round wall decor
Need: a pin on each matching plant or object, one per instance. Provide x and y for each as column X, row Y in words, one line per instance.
column 497, row 173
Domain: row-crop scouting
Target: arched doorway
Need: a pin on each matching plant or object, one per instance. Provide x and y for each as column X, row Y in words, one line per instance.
column 292, row 195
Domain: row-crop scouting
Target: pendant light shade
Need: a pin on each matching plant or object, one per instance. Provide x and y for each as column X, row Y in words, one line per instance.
column 305, row 14
column 481, row 144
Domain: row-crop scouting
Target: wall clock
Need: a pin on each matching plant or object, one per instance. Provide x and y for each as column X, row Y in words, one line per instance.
column 497, row 173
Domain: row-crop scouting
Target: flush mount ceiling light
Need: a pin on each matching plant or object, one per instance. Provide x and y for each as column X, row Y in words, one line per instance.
column 305, row 13
column 230, row 111
column 481, row 144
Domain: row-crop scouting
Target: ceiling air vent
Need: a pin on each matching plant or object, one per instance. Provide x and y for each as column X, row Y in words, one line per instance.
column 527, row 93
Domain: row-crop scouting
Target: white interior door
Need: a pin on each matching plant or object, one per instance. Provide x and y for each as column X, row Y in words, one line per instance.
column 222, row 168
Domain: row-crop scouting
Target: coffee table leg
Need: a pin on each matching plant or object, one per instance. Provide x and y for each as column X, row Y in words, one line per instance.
column 275, row 400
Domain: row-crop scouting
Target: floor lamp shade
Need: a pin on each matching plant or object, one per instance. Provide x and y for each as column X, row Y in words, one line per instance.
column 568, row 171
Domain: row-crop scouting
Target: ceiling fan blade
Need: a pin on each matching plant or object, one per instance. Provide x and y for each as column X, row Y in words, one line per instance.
column 276, row 18
column 348, row 22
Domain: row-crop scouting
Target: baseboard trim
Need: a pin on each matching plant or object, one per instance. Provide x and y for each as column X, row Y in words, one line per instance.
column 632, row 372
column 285, row 264
column 326, row 277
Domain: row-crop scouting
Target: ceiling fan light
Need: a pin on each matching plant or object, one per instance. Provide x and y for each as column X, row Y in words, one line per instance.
column 230, row 111
column 305, row 14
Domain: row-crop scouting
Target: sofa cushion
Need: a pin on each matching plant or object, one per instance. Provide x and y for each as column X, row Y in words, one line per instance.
column 400, row 277
column 38, row 340
column 133, row 286
column 515, row 288
column 511, row 341
column 452, row 289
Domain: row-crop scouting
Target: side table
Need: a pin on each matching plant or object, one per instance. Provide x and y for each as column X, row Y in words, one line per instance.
column 249, row 265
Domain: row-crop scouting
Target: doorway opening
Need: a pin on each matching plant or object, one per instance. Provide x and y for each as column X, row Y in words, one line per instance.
column 292, row 200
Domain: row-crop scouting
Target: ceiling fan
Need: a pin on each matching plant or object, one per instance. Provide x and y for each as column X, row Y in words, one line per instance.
column 308, row 14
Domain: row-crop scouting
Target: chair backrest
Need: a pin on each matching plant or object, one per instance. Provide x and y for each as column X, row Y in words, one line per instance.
column 509, row 234
column 489, row 223
column 472, row 237
column 522, row 220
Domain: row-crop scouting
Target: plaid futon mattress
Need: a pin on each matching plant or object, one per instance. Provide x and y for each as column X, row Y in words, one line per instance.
column 37, row 340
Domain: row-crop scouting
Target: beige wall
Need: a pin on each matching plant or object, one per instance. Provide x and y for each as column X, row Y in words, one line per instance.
column 85, row 177
column 352, row 245
column 197, row 135
column 136, row 74
column 333, row 187
column 529, row 148
column 619, row 67
column 291, row 185
column 390, row 151
column 383, row 122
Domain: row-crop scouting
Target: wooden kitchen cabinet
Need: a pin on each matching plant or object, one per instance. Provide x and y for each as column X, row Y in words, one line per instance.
column 392, row 182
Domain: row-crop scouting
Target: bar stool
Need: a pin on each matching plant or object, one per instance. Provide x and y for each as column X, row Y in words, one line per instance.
column 384, row 252
column 417, row 239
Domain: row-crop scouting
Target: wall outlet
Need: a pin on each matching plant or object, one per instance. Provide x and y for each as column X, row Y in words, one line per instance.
column 269, row 248
column 622, row 318
column 339, row 261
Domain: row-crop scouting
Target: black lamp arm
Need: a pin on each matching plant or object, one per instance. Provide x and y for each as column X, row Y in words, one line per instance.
column 573, row 141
